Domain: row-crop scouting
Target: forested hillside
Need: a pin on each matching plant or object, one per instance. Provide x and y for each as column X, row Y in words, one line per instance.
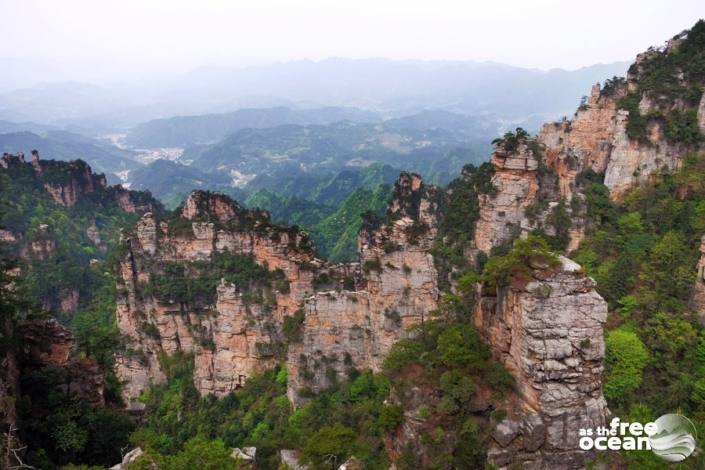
column 369, row 318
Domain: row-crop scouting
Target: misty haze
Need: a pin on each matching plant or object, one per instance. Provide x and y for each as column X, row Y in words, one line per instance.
column 352, row 235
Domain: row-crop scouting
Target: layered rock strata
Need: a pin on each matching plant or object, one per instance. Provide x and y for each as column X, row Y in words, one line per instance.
column 346, row 329
column 349, row 315
column 547, row 331
column 230, row 337
column 596, row 139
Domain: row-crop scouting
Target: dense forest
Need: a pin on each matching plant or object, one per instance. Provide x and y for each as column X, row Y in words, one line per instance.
column 64, row 249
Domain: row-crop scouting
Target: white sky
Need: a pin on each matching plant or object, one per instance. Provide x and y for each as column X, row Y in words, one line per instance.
column 150, row 34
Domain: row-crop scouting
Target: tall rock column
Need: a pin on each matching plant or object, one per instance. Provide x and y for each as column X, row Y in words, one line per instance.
column 345, row 329
column 548, row 333
column 516, row 186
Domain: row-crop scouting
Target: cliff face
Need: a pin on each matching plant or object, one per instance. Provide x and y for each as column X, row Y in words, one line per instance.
column 516, row 184
column 61, row 185
column 230, row 335
column 697, row 300
column 348, row 329
column 47, row 343
column 69, row 182
column 547, row 331
column 359, row 311
column 625, row 131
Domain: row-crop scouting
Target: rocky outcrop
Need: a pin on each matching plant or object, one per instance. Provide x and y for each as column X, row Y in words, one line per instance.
column 42, row 244
column 231, row 336
column 633, row 161
column 64, row 184
column 547, row 331
column 359, row 311
column 598, row 138
column 67, row 182
column 344, row 329
column 47, row 343
column 516, row 184
column 584, row 142
column 697, row 300
column 130, row 457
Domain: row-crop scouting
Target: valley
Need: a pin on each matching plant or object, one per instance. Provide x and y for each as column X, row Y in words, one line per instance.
column 397, row 286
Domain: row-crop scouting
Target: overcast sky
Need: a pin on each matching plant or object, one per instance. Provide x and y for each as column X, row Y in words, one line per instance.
column 128, row 35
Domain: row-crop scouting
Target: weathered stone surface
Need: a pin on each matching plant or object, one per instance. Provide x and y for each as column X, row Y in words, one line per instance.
column 130, row 457
column 505, row 432
column 46, row 342
column 246, row 455
column 548, row 334
column 7, row 236
column 233, row 339
column 516, row 187
column 632, row 162
column 290, row 459
column 42, row 244
column 80, row 181
column 351, row 464
column 595, row 139
column 93, row 235
column 349, row 329
column 701, row 114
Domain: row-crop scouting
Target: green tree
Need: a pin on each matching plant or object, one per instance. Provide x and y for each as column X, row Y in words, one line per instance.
column 328, row 447
column 626, row 357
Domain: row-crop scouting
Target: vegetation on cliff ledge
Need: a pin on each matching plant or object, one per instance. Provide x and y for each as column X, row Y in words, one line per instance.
column 642, row 252
column 196, row 282
column 668, row 78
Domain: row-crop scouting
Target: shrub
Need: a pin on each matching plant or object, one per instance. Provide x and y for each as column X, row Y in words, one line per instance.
column 626, row 357
column 533, row 249
column 293, row 326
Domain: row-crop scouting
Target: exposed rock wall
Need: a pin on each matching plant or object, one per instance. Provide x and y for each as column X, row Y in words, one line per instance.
column 547, row 331
column 360, row 311
column 632, row 161
column 232, row 338
column 66, row 183
column 596, row 138
column 356, row 329
column 516, row 186
column 697, row 300
column 47, row 343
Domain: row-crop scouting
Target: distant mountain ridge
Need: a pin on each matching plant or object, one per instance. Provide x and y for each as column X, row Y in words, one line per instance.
column 184, row 131
column 392, row 87
column 62, row 145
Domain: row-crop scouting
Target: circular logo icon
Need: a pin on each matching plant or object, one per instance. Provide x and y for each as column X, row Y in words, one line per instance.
column 674, row 439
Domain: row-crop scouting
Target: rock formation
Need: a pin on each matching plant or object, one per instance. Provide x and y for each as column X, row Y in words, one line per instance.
column 63, row 184
column 361, row 309
column 47, row 343
column 547, row 331
column 596, row 139
column 345, row 329
column 516, row 186
column 697, row 300
column 69, row 182
column 230, row 336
